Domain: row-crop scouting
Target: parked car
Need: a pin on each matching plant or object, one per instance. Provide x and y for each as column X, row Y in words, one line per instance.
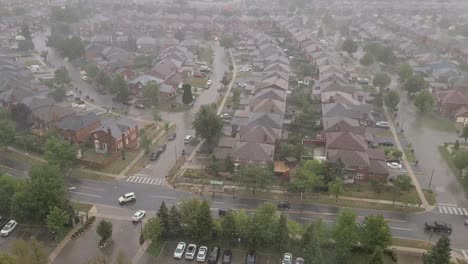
column 138, row 216
column 250, row 258
column 437, row 226
column 191, row 250
column 162, row 147
column 283, row 205
column 171, row 137
column 188, row 139
column 299, row 260
column 214, row 255
column 386, row 144
column 207, row 70
column 287, row 258
column 382, row 124
column 8, row 228
column 139, row 106
column 155, row 155
column 227, row 256
column 394, row 165
column 199, row 75
column 128, row 197
column 179, row 251
column 201, row 256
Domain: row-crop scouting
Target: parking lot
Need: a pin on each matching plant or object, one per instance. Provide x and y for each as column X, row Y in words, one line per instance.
column 26, row 232
column 238, row 256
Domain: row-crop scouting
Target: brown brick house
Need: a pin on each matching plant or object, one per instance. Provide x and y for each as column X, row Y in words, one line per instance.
column 114, row 134
column 77, row 128
column 449, row 102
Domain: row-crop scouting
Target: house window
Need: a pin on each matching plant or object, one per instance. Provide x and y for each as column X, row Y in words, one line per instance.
column 359, row 175
column 250, row 161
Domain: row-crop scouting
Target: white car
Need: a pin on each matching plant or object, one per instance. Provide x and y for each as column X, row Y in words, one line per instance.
column 188, row 139
column 394, row 165
column 74, row 105
column 138, row 216
column 208, row 83
column 128, row 197
column 8, row 228
column 191, row 250
column 179, row 251
column 382, row 124
column 287, row 258
column 82, row 106
column 201, row 256
column 70, row 93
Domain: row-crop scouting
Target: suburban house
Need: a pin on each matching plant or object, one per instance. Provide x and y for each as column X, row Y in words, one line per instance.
column 77, row 128
column 137, row 85
column 450, row 102
column 113, row 134
column 45, row 117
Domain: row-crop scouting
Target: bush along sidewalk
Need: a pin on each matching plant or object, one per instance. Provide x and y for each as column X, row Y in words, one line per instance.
column 86, row 226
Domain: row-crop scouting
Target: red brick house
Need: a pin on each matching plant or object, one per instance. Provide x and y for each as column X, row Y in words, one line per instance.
column 114, row 134
column 361, row 162
column 77, row 128
column 449, row 102
column 126, row 74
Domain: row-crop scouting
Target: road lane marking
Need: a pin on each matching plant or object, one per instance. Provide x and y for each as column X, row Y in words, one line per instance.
column 311, row 219
column 86, row 194
column 452, row 210
column 164, row 197
column 400, row 228
column 86, row 187
column 444, row 204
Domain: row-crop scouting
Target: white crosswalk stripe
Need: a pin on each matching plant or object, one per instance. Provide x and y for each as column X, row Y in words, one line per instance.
column 144, row 180
column 452, row 210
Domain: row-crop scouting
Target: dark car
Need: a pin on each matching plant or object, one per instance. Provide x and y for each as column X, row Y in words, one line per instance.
column 437, row 226
column 250, row 258
column 162, row 148
column 155, row 155
column 283, row 205
column 214, row 255
column 227, row 256
column 171, row 136
column 223, row 212
column 386, row 144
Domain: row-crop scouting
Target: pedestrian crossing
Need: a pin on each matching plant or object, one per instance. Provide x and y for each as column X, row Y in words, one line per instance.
column 452, row 210
column 145, row 180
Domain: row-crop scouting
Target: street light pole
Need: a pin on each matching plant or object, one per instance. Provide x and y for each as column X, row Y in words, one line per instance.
column 430, row 181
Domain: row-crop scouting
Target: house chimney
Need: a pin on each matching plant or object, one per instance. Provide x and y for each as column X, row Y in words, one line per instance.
column 109, row 131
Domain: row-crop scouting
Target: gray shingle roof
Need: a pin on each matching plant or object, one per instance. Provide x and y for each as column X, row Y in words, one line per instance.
column 77, row 122
column 117, row 126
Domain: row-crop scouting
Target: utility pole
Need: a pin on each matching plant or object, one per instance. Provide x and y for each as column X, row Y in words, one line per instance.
column 430, row 181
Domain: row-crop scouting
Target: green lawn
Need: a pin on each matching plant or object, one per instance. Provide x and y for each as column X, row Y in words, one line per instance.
column 410, row 156
column 438, row 122
column 155, row 248
column 449, row 159
column 206, row 54
column 385, row 133
column 430, row 196
column 366, row 191
column 196, row 82
column 119, row 165
column 79, row 173
column 83, row 207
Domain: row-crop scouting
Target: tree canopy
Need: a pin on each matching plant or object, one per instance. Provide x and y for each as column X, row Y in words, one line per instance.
column 405, row 71
column 349, row 46
column 392, row 99
column 151, row 94
column 208, row 124
column 440, row 253
column 381, row 80
column 59, row 152
column 255, row 177
column 187, row 96
column 414, row 84
column 424, row 102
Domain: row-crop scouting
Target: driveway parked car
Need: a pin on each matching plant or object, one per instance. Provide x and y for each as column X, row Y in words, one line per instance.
column 214, row 255
column 201, row 256
column 8, row 228
column 179, row 251
column 394, row 165
column 299, row 260
column 227, row 256
column 287, row 258
column 188, row 139
column 191, row 250
column 382, row 124
column 250, row 258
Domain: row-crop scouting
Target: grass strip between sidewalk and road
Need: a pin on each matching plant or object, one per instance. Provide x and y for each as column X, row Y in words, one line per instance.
column 411, row 243
column 451, row 164
column 155, row 249
column 82, row 207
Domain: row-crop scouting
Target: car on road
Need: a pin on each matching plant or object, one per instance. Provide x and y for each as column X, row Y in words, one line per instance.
column 191, row 250
column 250, row 258
column 241, row 84
column 171, row 137
column 8, row 228
column 201, row 256
column 299, row 260
column 138, row 216
column 162, row 147
column 283, row 205
column 394, row 165
column 128, row 197
column 188, row 139
column 214, row 255
column 179, row 251
column 437, row 226
column 287, row 258
column 155, row 155
column 227, row 257
column 223, row 212
column 382, row 124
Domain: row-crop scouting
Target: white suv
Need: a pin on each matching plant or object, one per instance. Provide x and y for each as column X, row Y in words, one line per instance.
column 179, row 251
column 8, row 228
column 188, row 139
column 287, row 258
column 128, row 197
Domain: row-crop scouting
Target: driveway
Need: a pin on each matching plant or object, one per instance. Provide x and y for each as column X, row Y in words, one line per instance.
column 125, row 237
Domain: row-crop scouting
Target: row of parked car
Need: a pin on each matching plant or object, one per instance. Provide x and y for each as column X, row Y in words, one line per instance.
column 190, row 253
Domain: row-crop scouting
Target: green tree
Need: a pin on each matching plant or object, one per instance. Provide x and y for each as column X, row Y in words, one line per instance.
column 120, row 88
column 456, row 146
column 91, row 70
column 424, row 102
column 405, row 71
column 25, row 32
column 58, row 93
column 163, row 215
column 151, row 94
column 8, row 186
column 243, row 223
column 226, row 41
column 261, row 228
column 255, row 177
column 208, row 124
column 131, row 42
column 29, row 252
column 376, row 185
column 440, row 253
column 280, row 236
column 386, row 56
column 397, row 154
column 7, row 259
column 189, row 213
column 392, row 99
column 61, row 76
column 56, row 220
column 7, row 133
column 229, row 228
column 375, row 233
column 349, row 46
column 414, row 84
column 205, row 226
column 402, row 183
column 308, row 176
column 377, row 256
column 294, row 229
column 465, row 133
column 312, row 242
column 153, row 230
column 187, row 96
column 174, row 221
column 179, row 35
column 345, row 234
column 381, row 80
column 337, row 170
column 461, row 159
column 103, row 79
column 367, row 59
column 72, row 48
column 59, row 152
column 336, row 188
column 104, row 230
